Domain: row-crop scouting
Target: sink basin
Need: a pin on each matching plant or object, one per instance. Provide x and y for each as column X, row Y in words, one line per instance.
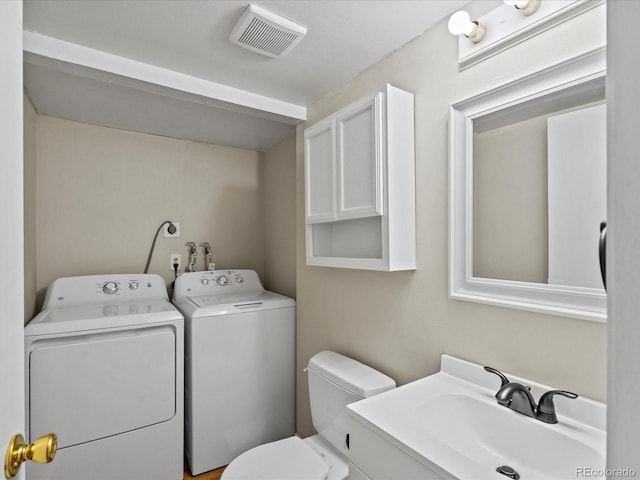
column 492, row 435
column 451, row 424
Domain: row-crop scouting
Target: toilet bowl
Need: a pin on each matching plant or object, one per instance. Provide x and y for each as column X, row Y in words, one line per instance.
column 334, row 382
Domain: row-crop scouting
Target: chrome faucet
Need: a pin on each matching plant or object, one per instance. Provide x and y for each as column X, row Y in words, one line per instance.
column 518, row 397
column 208, row 256
column 193, row 254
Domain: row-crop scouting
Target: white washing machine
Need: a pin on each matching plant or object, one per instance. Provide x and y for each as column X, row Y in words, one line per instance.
column 104, row 372
column 239, row 365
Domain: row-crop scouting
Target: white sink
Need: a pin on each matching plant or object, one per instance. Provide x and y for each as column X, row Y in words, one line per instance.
column 452, row 424
column 494, row 435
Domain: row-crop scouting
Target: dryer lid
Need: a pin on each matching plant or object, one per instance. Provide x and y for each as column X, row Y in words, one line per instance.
column 288, row 459
column 95, row 316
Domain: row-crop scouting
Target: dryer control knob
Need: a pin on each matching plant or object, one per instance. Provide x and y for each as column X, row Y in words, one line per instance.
column 222, row 280
column 204, row 281
column 110, row 288
column 134, row 285
column 239, row 279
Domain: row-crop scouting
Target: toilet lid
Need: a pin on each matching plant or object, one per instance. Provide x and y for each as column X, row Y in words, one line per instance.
column 288, row 459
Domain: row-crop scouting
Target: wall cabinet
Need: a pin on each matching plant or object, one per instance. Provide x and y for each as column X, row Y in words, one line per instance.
column 360, row 185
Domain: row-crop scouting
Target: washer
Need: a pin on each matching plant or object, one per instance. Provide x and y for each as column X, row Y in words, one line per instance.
column 104, row 372
column 239, row 365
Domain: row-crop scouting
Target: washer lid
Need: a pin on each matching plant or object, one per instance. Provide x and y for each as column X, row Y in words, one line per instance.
column 288, row 459
column 226, row 304
column 226, row 299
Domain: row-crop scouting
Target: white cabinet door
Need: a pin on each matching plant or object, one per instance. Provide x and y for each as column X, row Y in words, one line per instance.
column 343, row 164
column 320, row 178
column 359, row 160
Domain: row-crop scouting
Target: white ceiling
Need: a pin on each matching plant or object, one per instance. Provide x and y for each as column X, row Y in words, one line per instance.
column 166, row 67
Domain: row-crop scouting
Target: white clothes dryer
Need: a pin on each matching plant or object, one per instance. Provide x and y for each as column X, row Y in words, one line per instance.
column 104, row 372
column 239, row 365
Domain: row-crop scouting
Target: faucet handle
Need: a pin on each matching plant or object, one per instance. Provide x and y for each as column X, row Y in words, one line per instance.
column 502, row 376
column 546, row 411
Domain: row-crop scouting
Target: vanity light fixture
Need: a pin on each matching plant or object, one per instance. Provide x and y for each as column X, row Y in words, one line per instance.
column 510, row 23
column 460, row 24
column 526, row 7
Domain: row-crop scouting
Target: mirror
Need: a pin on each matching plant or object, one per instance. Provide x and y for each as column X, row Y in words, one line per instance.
column 528, row 192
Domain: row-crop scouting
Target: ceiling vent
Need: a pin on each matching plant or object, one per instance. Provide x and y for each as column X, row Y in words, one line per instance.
column 264, row 32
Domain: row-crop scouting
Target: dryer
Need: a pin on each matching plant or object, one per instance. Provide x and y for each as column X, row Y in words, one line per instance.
column 104, row 372
column 239, row 365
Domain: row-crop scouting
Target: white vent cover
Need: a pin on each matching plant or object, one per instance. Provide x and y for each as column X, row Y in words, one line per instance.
column 264, row 32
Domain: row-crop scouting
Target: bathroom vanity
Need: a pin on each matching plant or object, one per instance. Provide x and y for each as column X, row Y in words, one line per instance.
column 449, row 425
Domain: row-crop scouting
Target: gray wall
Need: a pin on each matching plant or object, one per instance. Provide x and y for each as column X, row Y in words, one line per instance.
column 279, row 204
column 102, row 193
column 402, row 322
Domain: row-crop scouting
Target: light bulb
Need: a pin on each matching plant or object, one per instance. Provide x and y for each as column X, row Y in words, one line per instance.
column 460, row 23
column 517, row 3
column 526, row 7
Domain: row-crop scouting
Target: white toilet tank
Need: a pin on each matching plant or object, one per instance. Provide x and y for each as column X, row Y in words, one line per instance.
column 334, row 382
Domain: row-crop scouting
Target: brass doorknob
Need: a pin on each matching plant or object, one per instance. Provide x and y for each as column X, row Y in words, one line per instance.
column 41, row 451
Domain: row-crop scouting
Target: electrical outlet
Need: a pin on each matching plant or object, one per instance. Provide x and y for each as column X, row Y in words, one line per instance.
column 175, row 258
column 166, row 232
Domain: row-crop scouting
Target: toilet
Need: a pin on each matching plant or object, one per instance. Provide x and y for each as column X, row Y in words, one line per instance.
column 334, row 382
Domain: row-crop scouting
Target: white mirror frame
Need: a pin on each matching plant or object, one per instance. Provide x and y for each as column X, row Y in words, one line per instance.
column 576, row 302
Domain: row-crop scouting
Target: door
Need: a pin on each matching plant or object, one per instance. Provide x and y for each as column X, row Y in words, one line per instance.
column 343, row 157
column 623, row 231
column 11, row 240
column 320, row 165
column 95, row 374
column 359, row 159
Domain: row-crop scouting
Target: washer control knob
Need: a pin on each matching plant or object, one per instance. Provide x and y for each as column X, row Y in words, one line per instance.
column 222, row 280
column 110, row 288
column 204, row 281
column 133, row 285
column 239, row 279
